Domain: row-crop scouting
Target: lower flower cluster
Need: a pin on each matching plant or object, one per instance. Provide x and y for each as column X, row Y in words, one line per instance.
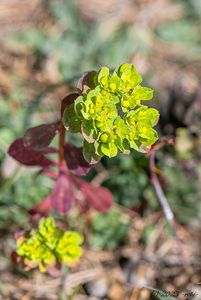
column 110, row 116
column 49, row 246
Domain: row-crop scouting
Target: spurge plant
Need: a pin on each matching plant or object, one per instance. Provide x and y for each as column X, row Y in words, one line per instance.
column 107, row 111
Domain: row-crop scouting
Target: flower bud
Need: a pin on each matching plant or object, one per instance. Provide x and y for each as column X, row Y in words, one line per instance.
column 104, row 137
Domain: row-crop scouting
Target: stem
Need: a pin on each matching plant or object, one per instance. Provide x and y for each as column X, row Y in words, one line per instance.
column 159, row 192
column 61, row 146
column 166, row 207
column 50, row 173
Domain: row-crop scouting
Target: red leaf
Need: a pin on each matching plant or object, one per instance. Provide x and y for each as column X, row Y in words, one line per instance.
column 16, row 259
column 62, row 196
column 68, row 100
column 98, row 198
column 47, row 150
column 42, row 208
column 75, row 160
column 86, row 81
column 27, row 156
column 40, row 136
column 42, row 161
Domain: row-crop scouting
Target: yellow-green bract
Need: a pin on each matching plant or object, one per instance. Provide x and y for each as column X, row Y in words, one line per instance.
column 110, row 115
column 49, row 245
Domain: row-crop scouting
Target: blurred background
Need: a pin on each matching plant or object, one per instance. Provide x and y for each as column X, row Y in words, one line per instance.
column 45, row 46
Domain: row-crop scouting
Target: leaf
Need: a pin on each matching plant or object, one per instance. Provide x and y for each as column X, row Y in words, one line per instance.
column 147, row 136
column 183, row 32
column 27, row 156
column 62, row 196
column 128, row 73
column 86, row 81
column 75, row 160
column 147, row 116
column 143, row 93
column 89, row 153
column 42, row 161
column 103, row 76
column 78, row 106
column 153, row 115
column 109, row 149
column 42, row 208
column 87, row 131
column 69, row 99
column 98, row 198
column 70, row 120
column 114, row 82
column 40, row 136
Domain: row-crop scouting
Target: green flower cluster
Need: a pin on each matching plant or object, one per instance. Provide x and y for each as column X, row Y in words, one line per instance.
column 110, row 116
column 49, row 246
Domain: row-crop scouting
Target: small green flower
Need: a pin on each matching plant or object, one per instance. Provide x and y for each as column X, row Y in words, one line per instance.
column 113, row 140
column 49, row 245
column 110, row 115
column 133, row 99
column 68, row 248
column 140, row 123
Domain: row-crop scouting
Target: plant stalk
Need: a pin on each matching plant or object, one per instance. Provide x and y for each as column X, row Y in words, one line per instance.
column 166, row 208
column 61, row 146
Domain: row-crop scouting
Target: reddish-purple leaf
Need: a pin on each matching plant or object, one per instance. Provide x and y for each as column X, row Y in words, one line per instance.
column 98, row 198
column 42, row 162
column 68, row 100
column 62, row 196
column 40, row 136
column 48, row 150
column 42, row 208
column 86, row 81
column 27, row 156
column 75, row 160
column 16, row 259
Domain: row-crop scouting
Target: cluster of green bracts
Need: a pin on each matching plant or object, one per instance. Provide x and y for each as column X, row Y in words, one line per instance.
column 110, row 116
column 49, row 246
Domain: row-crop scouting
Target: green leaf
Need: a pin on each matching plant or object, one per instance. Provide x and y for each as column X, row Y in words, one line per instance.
column 114, row 82
column 148, row 136
column 109, row 149
column 183, row 32
column 89, row 153
column 134, row 145
column 80, row 107
column 123, row 145
column 121, row 128
column 142, row 93
column 148, row 116
column 70, row 120
column 110, row 230
column 103, row 76
column 129, row 75
column 88, row 131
